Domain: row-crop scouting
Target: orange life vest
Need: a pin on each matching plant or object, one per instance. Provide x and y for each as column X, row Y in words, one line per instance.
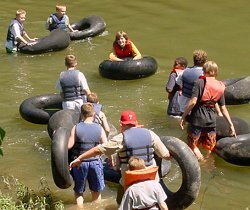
column 123, row 52
column 213, row 90
column 132, row 177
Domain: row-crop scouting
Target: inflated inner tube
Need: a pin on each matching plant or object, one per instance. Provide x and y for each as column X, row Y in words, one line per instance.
column 128, row 69
column 39, row 109
column 59, row 128
column 191, row 174
column 235, row 150
column 59, row 158
column 222, row 127
column 55, row 41
column 237, row 90
column 88, row 27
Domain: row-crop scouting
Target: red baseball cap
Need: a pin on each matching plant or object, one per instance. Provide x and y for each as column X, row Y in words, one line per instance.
column 128, row 118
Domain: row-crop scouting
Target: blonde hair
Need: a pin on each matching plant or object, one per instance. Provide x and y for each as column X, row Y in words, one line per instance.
column 70, row 61
column 60, row 7
column 20, row 11
column 92, row 98
column 211, row 68
column 87, row 110
column 199, row 57
column 136, row 163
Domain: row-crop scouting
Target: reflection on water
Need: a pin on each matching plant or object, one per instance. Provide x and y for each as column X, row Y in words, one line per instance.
column 161, row 29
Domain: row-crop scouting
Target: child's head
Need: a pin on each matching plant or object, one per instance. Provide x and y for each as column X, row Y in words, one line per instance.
column 136, row 163
column 210, row 69
column 70, row 61
column 199, row 57
column 87, row 110
column 180, row 63
column 61, row 10
column 92, row 98
column 21, row 15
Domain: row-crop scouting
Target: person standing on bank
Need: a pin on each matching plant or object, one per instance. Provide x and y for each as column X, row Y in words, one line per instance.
column 206, row 93
column 147, row 143
column 84, row 136
column 123, row 48
column 16, row 33
column 73, row 85
column 59, row 20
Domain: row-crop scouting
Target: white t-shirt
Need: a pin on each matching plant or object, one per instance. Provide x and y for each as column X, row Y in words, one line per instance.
column 143, row 195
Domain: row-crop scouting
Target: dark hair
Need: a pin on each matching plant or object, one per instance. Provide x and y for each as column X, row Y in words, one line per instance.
column 120, row 34
column 181, row 61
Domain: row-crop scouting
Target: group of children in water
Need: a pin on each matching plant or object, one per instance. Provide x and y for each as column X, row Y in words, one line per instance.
column 194, row 95
column 197, row 97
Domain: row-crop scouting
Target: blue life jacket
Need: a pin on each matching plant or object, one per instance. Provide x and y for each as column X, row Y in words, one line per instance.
column 88, row 135
column 138, row 142
column 57, row 23
column 97, row 108
column 10, row 36
column 70, row 84
column 189, row 76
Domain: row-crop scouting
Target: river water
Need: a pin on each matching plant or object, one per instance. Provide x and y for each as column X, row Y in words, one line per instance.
column 161, row 29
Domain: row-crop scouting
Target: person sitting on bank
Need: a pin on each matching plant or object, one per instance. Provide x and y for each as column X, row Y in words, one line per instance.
column 16, row 33
column 123, row 48
column 143, row 192
column 59, row 20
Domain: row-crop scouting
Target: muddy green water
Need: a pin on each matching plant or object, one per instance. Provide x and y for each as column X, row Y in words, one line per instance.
column 161, row 29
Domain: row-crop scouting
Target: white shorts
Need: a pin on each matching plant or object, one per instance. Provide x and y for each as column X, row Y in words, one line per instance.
column 75, row 105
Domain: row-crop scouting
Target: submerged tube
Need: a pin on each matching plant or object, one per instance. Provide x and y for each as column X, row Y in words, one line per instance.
column 39, row 109
column 88, row 27
column 55, row 41
column 128, row 69
column 235, row 150
column 222, row 127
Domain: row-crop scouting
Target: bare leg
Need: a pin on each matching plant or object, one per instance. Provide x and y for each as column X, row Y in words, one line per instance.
column 96, row 196
column 79, row 200
column 198, row 154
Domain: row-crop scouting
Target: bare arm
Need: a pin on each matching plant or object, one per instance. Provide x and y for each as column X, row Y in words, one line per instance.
column 113, row 57
column 103, row 137
column 136, row 52
column 71, row 141
column 163, row 206
column 88, row 154
column 189, row 107
column 228, row 119
column 105, row 123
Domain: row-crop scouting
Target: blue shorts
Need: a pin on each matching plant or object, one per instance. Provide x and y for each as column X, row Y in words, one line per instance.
column 91, row 171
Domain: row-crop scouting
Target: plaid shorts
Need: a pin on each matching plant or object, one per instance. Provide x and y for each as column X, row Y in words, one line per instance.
column 205, row 137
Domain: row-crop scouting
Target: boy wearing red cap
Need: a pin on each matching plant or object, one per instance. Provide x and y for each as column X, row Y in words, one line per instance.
column 124, row 144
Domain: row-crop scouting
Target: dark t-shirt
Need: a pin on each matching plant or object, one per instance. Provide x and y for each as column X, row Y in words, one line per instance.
column 203, row 116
